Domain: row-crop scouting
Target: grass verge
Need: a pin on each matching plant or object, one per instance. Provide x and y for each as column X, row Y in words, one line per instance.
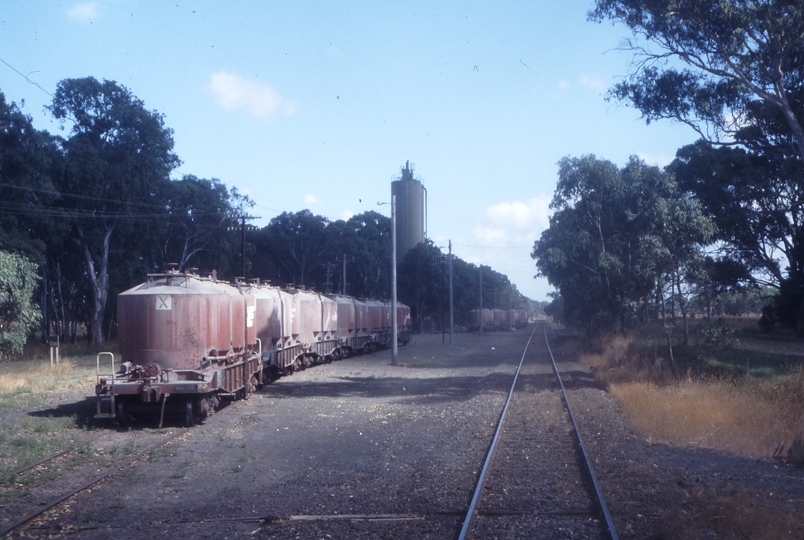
column 712, row 406
column 42, row 408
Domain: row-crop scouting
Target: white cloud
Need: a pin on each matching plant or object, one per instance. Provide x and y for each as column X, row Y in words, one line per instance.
column 515, row 223
column 503, row 238
column 659, row 161
column 232, row 92
column 310, row 199
column 88, row 12
column 593, row 83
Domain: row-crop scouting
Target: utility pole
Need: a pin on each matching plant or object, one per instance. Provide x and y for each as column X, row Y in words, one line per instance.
column 343, row 282
column 242, row 218
column 441, row 297
column 394, row 324
column 481, row 300
column 243, row 228
column 328, row 284
column 510, row 315
column 451, row 320
column 395, row 330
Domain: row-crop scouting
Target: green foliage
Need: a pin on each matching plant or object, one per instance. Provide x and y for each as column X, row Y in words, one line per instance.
column 743, row 83
column 117, row 163
column 19, row 315
column 29, row 159
column 202, row 226
column 744, row 58
column 303, row 248
column 716, row 337
column 296, row 244
column 97, row 210
column 615, row 237
column 420, row 280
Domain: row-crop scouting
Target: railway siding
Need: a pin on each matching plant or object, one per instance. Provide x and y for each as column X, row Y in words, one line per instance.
column 361, row 449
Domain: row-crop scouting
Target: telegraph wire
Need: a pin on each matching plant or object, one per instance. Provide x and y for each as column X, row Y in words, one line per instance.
column 36, row 84
column 76, row 196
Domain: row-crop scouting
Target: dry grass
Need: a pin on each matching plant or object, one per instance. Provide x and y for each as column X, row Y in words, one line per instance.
column 742, row 419
column 39, row 376
column 744, row 416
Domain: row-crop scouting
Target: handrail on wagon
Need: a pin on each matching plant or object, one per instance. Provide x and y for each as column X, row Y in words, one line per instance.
column 97, row 359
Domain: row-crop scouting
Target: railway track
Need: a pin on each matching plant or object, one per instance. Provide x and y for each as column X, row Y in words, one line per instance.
column 538, row 479
column 533, row 484
column 63, row 480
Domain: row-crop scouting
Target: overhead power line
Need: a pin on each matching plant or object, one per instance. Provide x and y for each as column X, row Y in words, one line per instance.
column 27, row 79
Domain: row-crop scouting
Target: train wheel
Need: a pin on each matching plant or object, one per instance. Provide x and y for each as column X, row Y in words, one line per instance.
column 189, row 411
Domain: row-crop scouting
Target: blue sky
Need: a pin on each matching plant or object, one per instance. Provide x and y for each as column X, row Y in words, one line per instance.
column 318, row 104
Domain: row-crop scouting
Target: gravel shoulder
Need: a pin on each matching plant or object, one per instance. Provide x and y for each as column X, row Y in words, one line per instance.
column 328, row 451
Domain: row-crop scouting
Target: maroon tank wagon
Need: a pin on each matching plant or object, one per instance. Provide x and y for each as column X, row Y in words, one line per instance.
column 187, row 341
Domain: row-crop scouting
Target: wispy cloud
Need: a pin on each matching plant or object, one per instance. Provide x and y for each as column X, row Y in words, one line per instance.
column 232, row 92
column 659, row 160
column 310, row 199
column 593, row 83
column 88, row 12
column 514, row 222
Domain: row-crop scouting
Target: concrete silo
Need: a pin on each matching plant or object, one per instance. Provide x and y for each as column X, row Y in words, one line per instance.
column 411, row 199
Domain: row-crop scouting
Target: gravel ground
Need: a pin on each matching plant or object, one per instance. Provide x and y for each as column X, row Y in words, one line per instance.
column 362, row 449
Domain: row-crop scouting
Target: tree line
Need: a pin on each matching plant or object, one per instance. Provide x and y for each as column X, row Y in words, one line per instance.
column 304, row 248
column 727, row 215
column 87, row 215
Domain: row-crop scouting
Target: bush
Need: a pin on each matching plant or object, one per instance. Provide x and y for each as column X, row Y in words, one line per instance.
column 715, row 338
column 19, row 315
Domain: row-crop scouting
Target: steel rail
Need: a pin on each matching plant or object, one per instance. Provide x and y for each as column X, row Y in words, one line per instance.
column 55, row 502
column 598, row 491
column 479, row 489
column 44, row 460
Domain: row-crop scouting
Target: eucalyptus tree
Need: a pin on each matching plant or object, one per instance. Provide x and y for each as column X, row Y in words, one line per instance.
column 420, row 280
column 370, row 272
column 739, row 57
column 118, row 158
column 673, row 230
column 758, row 205
column 296, row 243
column 29, row 160
column 616, row 236
column 203, row 226
column 733, row 71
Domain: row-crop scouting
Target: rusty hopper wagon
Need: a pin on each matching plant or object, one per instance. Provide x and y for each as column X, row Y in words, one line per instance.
column 186, row 341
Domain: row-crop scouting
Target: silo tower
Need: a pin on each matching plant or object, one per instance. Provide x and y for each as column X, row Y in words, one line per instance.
column 411, row 199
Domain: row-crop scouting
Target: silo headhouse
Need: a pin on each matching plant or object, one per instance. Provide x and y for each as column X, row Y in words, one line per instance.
column 411, row 200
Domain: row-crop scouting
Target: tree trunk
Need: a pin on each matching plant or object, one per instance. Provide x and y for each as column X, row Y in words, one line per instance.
column 99, row 280
column 681, row 304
